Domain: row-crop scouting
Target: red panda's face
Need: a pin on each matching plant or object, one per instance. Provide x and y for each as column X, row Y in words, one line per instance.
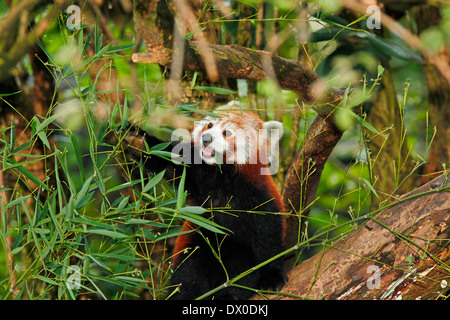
column 235, row 137
column 215, row 138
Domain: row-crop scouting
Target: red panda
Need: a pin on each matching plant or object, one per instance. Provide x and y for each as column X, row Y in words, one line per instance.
column 231, row 157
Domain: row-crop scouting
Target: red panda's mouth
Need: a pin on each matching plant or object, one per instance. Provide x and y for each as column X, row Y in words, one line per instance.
column 208, row 152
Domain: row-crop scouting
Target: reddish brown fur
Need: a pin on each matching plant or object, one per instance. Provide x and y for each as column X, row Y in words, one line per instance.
column 252, row 172
column 182, row 241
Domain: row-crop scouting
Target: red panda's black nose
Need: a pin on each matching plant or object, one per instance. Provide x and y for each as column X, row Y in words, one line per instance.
column 207, row 139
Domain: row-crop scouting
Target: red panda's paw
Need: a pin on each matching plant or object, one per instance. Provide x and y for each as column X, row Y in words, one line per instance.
column 272, row 280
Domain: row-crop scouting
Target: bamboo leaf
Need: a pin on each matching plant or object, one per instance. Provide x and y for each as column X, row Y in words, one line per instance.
column 102, row 52
column 5, row 159
column 123, row 185
column 16, row 202
column 203, row 222
column 97, row 224
column 9, row 94
column 47, row 280
column 99, row 262
column 392, row 49
column 27, row 173
column 193, row 210
column 21, row 147
column 181, row 197
column 363, row 122
column 122, row 47
column 87, row 42
column 77, row 152
column 154, row 181
column 123, row 203
column 125, row 115
column 108, row 233
column 16, row 250
column 52, row 211
column 371, row 188
column 215, row 90
column 12, row 141
column 46, row 122
column 327, row 34
column 170, row 234
column 44, row 49
column 160, row 146
column 84, row 189
column 43, row 137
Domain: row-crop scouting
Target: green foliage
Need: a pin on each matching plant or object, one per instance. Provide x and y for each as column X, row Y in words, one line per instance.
column 92, row 234
column 95, row 227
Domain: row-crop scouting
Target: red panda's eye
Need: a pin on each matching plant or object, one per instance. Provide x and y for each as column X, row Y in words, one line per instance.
column 227, row 133
column 210, row 125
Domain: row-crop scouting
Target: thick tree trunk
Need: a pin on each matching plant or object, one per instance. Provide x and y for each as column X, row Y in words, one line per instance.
column 429, row 16
column 389, row 162
column 400, row 253
column 304, row 173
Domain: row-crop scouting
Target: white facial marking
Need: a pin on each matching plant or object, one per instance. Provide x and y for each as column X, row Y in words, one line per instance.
column 208, row 137
column 221, row 140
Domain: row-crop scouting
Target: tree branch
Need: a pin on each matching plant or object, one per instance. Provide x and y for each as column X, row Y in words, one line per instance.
column 304, row 174
column 407, row 243
column 12, row 51
column 242, row 63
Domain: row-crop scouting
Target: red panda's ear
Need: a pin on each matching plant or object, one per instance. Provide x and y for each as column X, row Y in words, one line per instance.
column 274, row 132
column 273, row 125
